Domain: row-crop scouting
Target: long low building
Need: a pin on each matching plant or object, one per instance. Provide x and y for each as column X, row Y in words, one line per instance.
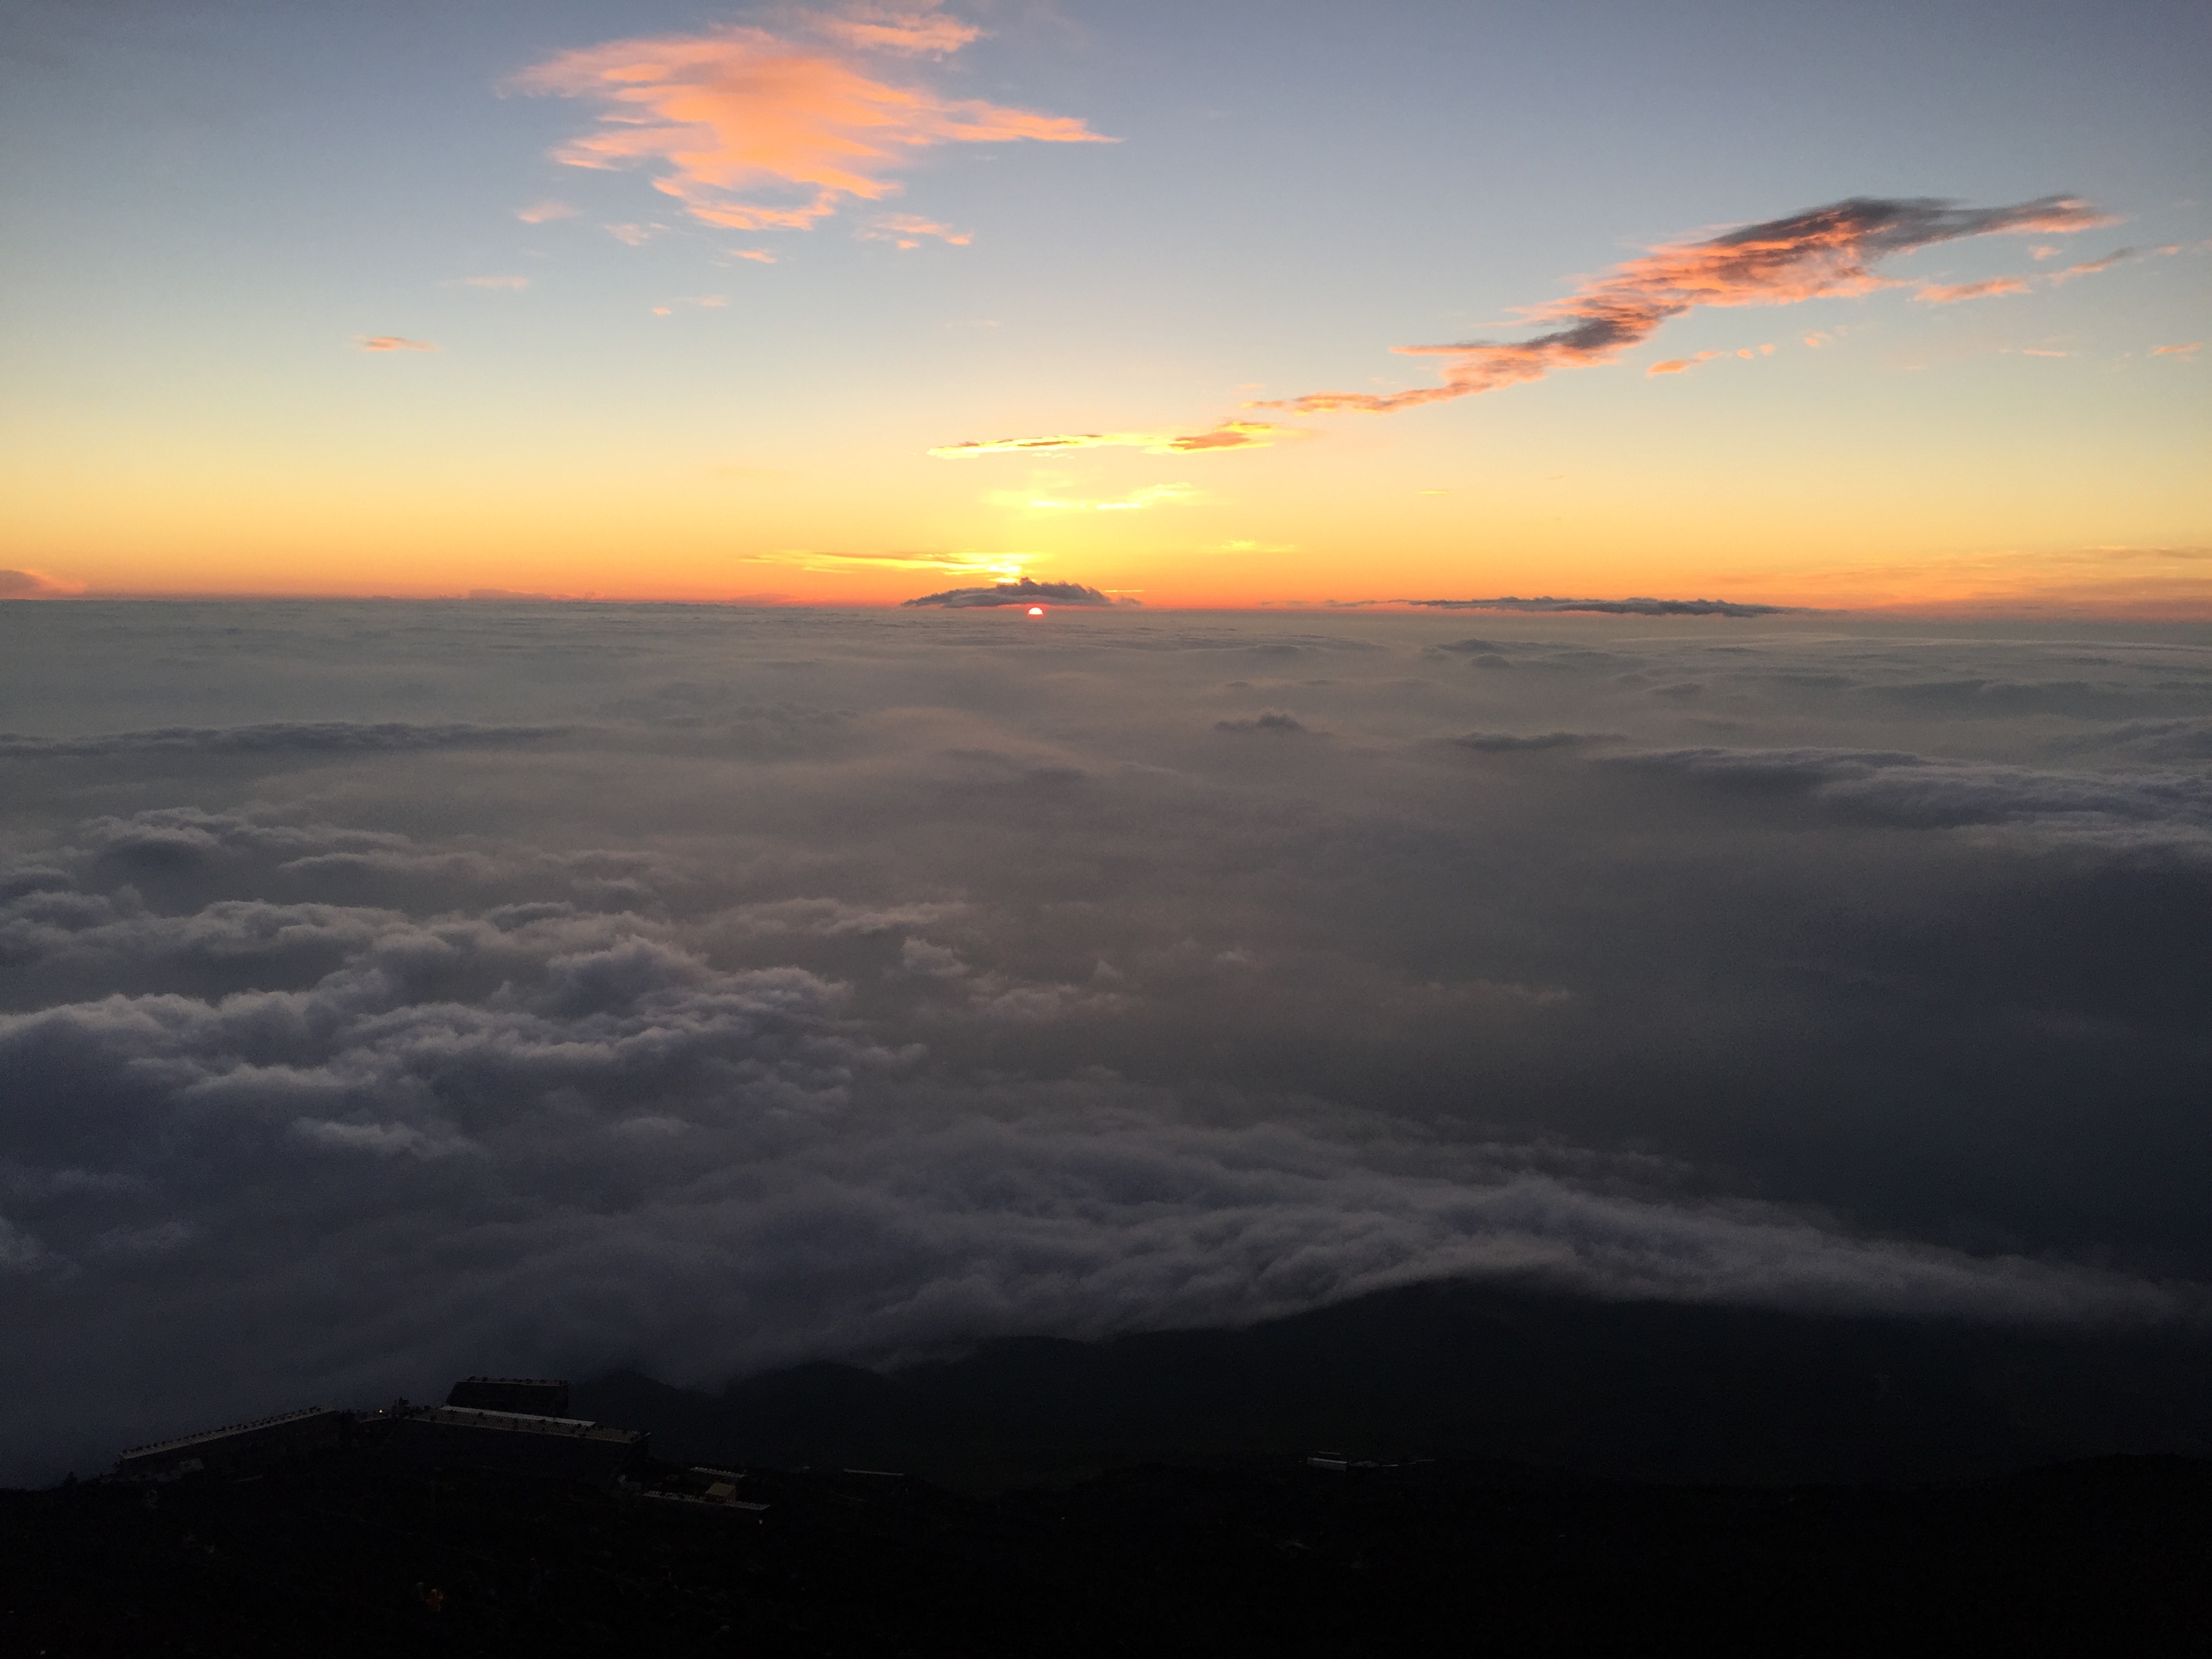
column 237, row 1445
column 515, row 1442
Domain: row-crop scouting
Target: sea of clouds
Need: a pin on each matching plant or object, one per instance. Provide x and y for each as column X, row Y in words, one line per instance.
column 393, row 991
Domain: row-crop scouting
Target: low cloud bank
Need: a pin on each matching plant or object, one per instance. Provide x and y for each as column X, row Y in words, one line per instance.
column 706, row 990
column 1611, row 607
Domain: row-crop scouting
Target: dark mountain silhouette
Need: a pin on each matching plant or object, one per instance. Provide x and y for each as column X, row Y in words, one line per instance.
column 1635, row 1391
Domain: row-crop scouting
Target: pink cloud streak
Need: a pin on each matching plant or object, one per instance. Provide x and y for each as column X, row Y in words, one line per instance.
column 907, row 230
column 1229, row 435
column 1825, row 252
column 1936, row 294
column 749, row 129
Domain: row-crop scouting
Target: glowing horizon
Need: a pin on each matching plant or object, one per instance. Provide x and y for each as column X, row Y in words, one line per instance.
column 843, row 306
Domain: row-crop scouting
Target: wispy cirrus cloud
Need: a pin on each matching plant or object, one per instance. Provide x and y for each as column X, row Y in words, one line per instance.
column 1676, row 365
column 910, row 229
column 1229, row 435
column 393, row 342
column 1940, row 294
column 922, row 29
column 2189, row 350
column 539, row 213
column 1821, row 252
column 752, row 128
column 511, row 282
column 2091, row 267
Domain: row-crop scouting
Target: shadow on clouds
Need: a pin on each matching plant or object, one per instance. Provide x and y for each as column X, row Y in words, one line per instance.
column 391, row 992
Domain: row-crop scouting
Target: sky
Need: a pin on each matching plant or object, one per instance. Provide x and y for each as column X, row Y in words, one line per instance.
column 1228, row 305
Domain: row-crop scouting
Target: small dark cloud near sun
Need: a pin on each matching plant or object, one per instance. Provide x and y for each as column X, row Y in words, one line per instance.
column 1026, row 591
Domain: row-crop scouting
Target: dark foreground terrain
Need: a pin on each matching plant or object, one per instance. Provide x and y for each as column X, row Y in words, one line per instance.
column 1445, row 1469
column 1630, row 1391
column 345, row 1553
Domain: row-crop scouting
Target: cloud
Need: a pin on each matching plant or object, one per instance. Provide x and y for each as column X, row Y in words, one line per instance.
column 1278, row 721
column 277, row 737
column 2152, row 814
column 35, row 585
column 1229, row 435
column 391, row 342
column 1936, row 294
column 1638, row 607
column 2090, row 267
column 496, row 282
column 1824, row 251
column 758, row 255
column 1676, row 365
column 749, row 129
column 921, row 29
column 908, row 230
column 465, row 987
column 1510, row 743
column 1024, row 591
column 540, row 213
column 2189, row 350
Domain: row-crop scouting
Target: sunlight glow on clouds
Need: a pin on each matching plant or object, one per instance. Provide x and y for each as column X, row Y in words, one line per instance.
column 393, row 342
column 750, row 129
column 35, row 585
column 1937, row 294
column 1229, row 435
column 1824, row 251
column 908, row 230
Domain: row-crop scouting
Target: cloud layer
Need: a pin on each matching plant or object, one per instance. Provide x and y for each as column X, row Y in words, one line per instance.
column 506, row 986
column 1823, row 251
column 1639, row 607
column 752, row 129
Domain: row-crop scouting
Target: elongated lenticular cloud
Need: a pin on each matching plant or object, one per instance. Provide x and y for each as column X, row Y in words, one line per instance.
column 1027, row 590
column 1826, row 251
column 1637, row 607
column 752, row 129
column 1229, row 435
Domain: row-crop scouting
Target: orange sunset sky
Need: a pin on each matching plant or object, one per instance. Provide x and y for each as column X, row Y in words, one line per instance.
column 1229, row 307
